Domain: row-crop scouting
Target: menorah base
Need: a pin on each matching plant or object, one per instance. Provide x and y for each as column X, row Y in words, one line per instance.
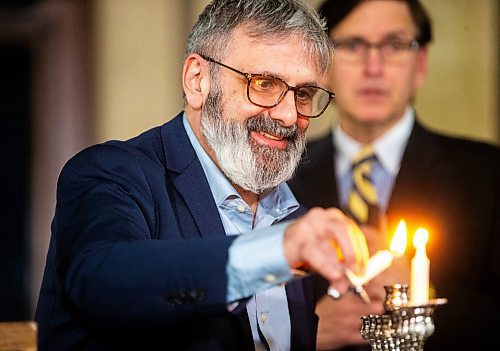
column 403, row 327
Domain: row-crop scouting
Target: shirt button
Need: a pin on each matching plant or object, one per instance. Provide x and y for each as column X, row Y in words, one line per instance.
column 263, row 317
column 240, row 208
column 270, row 278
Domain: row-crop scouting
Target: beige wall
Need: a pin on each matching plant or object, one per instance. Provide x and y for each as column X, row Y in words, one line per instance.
column 461, row 92
column 140, row 44
column 460, row 95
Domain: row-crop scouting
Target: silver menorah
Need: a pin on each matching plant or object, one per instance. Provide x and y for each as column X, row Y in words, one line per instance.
column 403, row 327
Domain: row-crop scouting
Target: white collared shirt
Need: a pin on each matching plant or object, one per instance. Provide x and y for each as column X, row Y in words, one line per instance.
column 389, row 149
column 262, row 279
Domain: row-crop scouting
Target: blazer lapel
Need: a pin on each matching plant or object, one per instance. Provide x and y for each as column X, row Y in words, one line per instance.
column 414, row 187
column 317, row 185
column 303, row 330
column 327, row 188
column 189, row 178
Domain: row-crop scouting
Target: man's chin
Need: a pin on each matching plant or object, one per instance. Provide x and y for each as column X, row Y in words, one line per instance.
column 270, row 165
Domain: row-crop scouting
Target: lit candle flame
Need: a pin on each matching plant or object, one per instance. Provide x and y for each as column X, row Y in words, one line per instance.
column 382, row 259
column 398, row 243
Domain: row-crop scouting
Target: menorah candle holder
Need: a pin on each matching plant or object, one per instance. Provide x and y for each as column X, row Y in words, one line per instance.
column 403, row 326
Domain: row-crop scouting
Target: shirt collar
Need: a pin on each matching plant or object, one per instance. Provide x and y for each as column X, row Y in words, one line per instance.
column 388, row 148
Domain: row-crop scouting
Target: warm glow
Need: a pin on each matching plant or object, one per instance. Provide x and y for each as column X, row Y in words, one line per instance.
column 398, row 243
column 420, row 238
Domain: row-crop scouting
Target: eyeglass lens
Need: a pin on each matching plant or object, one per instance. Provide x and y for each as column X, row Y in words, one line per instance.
column 267, row 91
column 391, row 50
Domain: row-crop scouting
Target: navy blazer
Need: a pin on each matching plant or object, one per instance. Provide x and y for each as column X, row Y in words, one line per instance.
column 138, row 254
column 452, row 187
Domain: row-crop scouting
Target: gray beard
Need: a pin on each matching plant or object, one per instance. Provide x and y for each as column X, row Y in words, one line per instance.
column 253, row 167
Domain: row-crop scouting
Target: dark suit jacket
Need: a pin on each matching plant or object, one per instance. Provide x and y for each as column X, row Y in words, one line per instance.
column 451, row 187
column 138, row 255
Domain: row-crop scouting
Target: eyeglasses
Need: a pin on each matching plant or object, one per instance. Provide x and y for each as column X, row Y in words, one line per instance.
column 265, row 90
column 356, row 50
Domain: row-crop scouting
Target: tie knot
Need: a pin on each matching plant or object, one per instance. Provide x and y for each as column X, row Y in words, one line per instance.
column 365, row 154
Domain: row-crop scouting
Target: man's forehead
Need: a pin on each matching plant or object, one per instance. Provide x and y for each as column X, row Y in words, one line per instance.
column 376, row 18
column 269, row 54
column 248, row 34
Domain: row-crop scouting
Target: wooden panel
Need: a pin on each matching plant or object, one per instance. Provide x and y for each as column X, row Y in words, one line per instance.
column 19, row 336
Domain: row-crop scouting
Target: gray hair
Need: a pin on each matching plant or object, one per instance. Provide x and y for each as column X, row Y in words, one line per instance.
column 266, row 20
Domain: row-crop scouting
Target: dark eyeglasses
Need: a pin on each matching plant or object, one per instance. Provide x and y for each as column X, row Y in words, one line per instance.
column 356, row 49
column 265, row 90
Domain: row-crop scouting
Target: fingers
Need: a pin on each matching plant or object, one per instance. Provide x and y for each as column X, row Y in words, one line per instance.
column 308, row 241
column 323, row 239
column 352, row 242
column 360, row 248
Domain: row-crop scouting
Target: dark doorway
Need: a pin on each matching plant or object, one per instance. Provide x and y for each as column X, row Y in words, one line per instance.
column 15, row 105
column 44, row 120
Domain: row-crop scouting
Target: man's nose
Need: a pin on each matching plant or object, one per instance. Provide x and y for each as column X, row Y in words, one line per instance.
column 285, row 111
column 374, row 61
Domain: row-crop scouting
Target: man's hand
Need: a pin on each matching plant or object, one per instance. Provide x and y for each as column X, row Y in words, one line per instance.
column 325, row 240
column 397, row 273
column 340, row 320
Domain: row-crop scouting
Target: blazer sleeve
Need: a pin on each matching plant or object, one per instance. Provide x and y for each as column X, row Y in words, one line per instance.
column 112, row 263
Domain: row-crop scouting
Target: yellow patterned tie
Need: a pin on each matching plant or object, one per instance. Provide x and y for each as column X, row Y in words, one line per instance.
column 363, row 195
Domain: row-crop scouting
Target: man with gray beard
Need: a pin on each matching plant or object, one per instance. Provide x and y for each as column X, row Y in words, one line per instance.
column 253, row 166
column 187, row 237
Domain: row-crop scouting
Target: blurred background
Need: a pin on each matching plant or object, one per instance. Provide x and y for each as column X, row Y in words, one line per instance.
column 77, row 72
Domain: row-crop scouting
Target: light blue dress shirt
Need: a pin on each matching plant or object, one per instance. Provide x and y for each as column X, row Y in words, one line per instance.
column 260, row 278
column 389, row 149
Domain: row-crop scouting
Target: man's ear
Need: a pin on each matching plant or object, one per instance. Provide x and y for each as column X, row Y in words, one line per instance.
column 195, row 81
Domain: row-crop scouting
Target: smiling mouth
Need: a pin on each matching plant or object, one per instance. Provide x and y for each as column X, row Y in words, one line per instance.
column 270, row 136
column 267, row 140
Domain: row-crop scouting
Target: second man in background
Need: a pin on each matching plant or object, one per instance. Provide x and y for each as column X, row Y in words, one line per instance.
column 449, row 185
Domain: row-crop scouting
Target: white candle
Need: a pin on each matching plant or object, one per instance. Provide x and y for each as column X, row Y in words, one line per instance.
column 420, row 264
column 383, row 258
column 376, row 265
